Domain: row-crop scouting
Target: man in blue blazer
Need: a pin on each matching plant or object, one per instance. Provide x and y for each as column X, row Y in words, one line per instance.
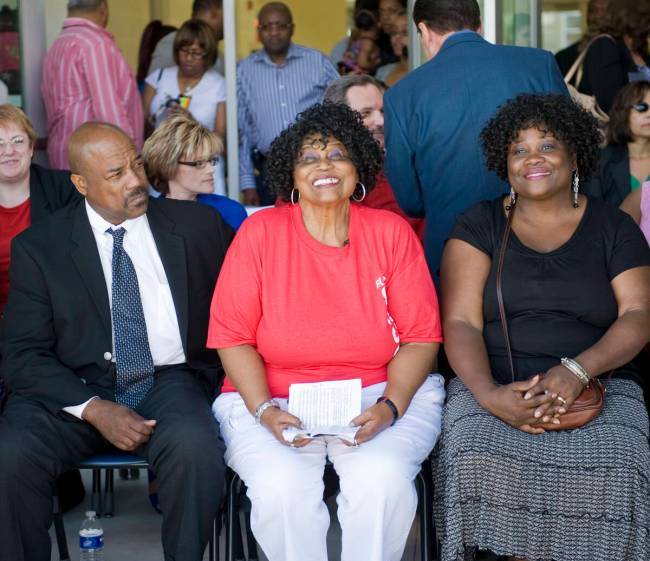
column 434, row 115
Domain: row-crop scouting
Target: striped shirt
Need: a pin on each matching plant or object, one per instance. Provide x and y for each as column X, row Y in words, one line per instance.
column 85, row 78
column 270, row 96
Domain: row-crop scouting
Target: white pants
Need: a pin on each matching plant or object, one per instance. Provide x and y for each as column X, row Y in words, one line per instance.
column 377, row 502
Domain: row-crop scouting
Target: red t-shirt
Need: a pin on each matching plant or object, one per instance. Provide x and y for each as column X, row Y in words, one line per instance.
column 12, row 221
column 316, row 312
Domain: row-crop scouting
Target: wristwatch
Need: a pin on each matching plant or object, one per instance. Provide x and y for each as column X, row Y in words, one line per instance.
column 263, row 407
column 391, row 406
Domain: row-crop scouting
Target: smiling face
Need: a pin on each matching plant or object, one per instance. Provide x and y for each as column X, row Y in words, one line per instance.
column 368, row 100
column 399, row 39
column 540, row 166
column 112, row 178
column 16, row 153
column 324, row 173
column 640, row 120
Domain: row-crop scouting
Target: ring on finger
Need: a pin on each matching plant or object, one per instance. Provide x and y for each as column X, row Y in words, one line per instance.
column 355, row 443
column 561, row 399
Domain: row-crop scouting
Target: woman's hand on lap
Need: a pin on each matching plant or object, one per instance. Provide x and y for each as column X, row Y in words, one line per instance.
column 508, row 404
column 276, row 420
column 372, row 421
column 562, row 386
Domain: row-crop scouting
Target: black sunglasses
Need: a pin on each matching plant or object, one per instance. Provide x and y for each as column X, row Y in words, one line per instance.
column 641, row 107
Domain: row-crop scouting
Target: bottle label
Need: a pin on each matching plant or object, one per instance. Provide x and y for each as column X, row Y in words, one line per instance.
column 91, row 542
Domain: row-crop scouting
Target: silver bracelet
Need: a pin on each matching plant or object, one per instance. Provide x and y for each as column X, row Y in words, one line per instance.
column 576, row 369
column 263, row 407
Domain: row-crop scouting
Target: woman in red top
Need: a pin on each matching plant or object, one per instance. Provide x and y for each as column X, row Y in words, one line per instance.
column 28, row 192
column 319, row 290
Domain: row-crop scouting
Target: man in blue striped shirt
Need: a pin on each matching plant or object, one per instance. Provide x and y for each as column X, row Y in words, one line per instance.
column 274, row 84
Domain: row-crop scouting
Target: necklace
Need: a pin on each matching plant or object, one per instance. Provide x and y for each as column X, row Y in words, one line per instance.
column 189, row 85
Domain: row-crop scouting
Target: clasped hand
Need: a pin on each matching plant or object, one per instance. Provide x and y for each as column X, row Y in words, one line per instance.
column 524, row 405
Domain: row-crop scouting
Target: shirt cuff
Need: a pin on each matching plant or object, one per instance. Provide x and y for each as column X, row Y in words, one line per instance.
column 77, row 410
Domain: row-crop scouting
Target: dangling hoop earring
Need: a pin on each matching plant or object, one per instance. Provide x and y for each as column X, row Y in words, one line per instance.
column 513, row 199
column 576, row 185
column 291, row 196
column 363, row 188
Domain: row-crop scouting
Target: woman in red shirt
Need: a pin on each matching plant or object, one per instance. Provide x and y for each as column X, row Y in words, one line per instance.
column 325, row 289
column 28, row 192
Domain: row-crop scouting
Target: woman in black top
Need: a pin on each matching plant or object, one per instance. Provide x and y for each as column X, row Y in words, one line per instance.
column 621, row 55
column 576, row 284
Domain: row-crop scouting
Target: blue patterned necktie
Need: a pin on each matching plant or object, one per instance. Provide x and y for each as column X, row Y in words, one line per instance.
column 133, row 360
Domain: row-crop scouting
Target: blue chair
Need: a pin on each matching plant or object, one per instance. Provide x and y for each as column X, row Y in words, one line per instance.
column 105, row 505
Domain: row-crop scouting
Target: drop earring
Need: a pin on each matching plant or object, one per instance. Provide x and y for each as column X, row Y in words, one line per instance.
column 576, row 185
column 513, row 199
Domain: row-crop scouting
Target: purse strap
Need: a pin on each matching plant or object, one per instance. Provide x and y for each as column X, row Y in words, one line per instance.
column 581, row 57
column 502, row 309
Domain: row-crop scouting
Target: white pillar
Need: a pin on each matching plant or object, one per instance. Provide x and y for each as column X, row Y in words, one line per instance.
column 232, row 132
column 32, row 51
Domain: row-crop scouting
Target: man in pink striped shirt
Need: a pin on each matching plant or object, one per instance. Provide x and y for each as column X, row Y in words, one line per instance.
column 85, row 78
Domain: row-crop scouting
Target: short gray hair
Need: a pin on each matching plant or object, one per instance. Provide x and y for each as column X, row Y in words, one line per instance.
column 337, row 91
column 84, row 4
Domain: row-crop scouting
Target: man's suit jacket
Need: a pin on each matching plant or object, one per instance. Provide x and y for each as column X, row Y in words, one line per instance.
column 611, row 181
column 433, row 118
column 58, row 337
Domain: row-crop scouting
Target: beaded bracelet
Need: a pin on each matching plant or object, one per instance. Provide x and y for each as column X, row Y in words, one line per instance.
column 576, row 369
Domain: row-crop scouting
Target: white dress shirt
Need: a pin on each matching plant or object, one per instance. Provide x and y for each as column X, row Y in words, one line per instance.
column 160, row 317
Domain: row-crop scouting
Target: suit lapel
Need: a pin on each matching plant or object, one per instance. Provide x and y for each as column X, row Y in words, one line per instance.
column 171, row 248
column 86, row 258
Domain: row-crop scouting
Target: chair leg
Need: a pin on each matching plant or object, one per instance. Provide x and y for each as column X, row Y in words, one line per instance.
column 231, row 513
column 59, row 529
column 252, row 543
column 109, row 500
column 96, row 498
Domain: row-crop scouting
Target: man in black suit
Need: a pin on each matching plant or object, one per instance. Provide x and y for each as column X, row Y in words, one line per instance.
column 104, row 346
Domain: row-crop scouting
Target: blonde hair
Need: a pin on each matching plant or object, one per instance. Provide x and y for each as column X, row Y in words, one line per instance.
column 177, row 138
column 12, row 115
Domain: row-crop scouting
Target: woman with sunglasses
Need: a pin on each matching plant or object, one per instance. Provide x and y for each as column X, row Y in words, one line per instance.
column 625, row 161
column 180, row 157
column 192, row 86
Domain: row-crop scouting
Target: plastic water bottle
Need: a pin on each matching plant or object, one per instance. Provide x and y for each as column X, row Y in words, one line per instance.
column 91, row 539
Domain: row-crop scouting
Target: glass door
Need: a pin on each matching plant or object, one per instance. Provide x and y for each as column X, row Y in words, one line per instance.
column 11, row 87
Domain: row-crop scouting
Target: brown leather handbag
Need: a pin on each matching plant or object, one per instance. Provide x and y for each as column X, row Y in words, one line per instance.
column 588, row 405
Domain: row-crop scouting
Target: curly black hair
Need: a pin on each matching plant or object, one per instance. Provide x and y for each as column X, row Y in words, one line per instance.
column 323, row 120
column 559, row 115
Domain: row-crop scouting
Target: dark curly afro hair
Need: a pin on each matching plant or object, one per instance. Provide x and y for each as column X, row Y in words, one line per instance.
column 559, row 115
column 323, row 120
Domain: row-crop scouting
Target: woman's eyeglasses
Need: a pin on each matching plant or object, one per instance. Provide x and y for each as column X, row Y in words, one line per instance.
column 641, row 107
column 200, row 164
column 191, row 53
column 17, row 142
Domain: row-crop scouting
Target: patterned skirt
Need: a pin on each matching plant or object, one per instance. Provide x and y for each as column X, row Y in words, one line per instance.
column 581, row 495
